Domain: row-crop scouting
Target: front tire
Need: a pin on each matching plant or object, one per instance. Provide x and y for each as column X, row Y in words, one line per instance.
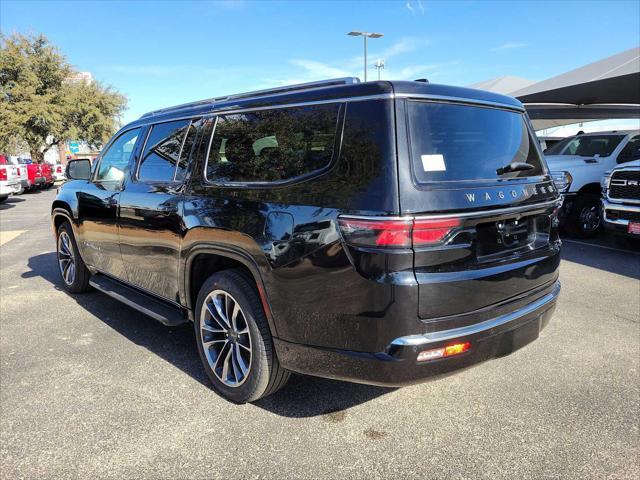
column 73, row 272
column 234, row 341
column 585, row 219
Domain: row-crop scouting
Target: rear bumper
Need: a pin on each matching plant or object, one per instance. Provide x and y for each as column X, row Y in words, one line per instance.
column 397, row 365
column 9, row 187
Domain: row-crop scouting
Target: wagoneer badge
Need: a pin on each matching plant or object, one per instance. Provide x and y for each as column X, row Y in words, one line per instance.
column 524, row 192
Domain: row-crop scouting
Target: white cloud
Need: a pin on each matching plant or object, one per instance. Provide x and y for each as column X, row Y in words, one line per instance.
column 412, row 71
column 415, row 7
column 318, row 70
column 402, row 46
column 509, row 46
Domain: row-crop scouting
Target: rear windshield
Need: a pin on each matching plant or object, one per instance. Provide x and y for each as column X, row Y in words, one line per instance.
column 461, row 142
column 586, row 146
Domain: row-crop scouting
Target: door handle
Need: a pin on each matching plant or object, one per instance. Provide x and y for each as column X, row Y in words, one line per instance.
column 168, row 208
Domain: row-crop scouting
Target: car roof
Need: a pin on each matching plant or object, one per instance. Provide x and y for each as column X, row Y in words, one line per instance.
column 329, row 90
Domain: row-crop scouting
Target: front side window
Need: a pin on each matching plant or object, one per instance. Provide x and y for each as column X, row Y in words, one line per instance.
column 587, row 145
column 115, row 161
column 452, row 142
column 272, row 145
column 162, row 152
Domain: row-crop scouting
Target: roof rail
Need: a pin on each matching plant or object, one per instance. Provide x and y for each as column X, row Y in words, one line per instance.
column 260, row 93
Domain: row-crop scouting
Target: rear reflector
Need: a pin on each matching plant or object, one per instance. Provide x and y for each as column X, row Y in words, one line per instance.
column 396, row 233
column 448, row 351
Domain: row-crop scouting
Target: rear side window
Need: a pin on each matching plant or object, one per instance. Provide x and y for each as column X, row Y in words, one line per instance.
column 272, row 145
column 461, row 142
column 164, row 158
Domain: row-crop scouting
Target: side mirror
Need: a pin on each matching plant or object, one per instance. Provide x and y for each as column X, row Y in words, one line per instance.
column 78, row 169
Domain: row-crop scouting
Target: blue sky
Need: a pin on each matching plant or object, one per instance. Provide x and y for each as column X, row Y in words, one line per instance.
column 165, row 52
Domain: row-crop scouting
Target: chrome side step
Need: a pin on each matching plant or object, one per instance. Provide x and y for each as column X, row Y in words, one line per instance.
column 156, row 309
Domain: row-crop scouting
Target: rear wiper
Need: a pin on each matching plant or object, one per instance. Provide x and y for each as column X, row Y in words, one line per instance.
column 515, row 167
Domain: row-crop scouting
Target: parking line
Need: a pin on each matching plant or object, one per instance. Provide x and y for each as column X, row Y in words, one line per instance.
column 601, row 246
column 9, row 235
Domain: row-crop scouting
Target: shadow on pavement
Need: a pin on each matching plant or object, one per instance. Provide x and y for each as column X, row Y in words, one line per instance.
column 10, row 202
column 624, row 260
column 303, row 396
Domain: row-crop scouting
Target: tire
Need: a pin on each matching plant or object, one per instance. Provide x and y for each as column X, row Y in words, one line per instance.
column 585, row 218
column 3, row 198
column 73, row 272
column 240, row 359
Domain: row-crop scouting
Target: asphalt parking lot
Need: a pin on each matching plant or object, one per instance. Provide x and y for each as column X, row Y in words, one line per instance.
column 91, row 388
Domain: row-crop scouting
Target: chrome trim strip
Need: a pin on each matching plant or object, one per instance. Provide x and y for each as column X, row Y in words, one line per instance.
column 276, row 106
column 479, row 213
column 257, row 94
column 463, row 100
column 427, row 338
column 142, row 122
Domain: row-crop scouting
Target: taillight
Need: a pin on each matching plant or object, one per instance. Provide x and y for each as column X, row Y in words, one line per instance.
column 3, row 173
column 396, row 233
column 59, row 169
column 427, row 232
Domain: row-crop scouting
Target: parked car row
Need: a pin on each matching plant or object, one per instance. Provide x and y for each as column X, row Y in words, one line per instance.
column 588, row 169
column 22, row 175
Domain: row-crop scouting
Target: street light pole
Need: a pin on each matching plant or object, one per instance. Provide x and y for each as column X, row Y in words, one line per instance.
column 365, row 58
column 365, row 35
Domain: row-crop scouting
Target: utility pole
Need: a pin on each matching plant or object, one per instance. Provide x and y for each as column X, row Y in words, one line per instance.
column 365, row 35
column 380, row 66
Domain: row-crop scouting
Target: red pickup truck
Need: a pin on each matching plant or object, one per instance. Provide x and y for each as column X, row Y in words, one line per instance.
column 37, row 177
column 47, row 172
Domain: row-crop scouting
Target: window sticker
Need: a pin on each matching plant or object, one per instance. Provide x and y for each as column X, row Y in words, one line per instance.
column 433, row 163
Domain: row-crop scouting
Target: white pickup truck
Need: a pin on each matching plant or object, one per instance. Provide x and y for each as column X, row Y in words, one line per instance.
column 578, row 164
column 621, row 198
column 9, row 181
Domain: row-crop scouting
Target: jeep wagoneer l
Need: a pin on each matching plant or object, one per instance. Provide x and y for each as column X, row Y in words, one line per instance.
column 377, row 232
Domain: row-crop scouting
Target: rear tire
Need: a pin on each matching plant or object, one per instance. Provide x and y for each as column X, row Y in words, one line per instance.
column 234, row 340
column 73, row 272
column 585, row 218
column 3, row 198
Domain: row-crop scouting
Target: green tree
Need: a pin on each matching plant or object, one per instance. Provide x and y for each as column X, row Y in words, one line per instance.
column 42, row 104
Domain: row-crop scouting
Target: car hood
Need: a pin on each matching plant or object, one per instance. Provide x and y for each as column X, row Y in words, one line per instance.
column 633, row 164
column 567, row 162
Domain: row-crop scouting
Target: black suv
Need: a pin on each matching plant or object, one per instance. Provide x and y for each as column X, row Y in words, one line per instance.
column 379, row 232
